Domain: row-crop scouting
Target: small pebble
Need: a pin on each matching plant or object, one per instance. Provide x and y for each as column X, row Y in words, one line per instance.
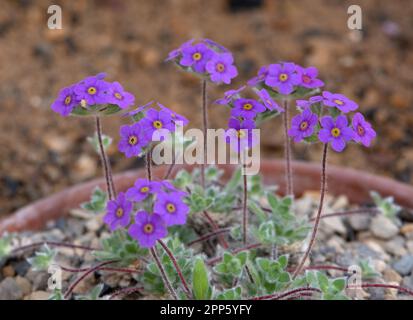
column 404, row 266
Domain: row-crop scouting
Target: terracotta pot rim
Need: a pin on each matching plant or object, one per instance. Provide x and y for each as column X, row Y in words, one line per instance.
column 355, row 184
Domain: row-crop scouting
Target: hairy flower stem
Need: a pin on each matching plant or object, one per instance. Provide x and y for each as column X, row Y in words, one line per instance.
column 320, row 209
column 244, row 210
column 120, row 270
column 204, row 127
column 278, row 296
column 387, row 286
column 169, row 171
column 215, row 227
column 289, row 190
column 177, row 268
column 148, row 163
column 372, row 211
column 124, row 292
column 110, row 186
column 163, row 274
column 83, row 276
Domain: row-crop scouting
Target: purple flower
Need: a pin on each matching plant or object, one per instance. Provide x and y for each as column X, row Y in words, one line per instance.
column 148, row 228
column 246, row 108
column 156, row 120
column 240, row 135
column 171, row 208
column 132, row 140
column 363, row 131
column 65, row 102
column 138, row 109
column 228, row 95
column 141, row 189
column 337, row 132
column 176, row 117
column 93, row 90
column 262, row 74
column 308, row 77
column 283, row 77
column 268, row 101
column 118, row 212
column 196, row 57
column 215, row 45
column 177, row 52
column 221, row 68
column 120, row 97
column 302, row 125
column 339, row 101
column 170, row 187
column 304, row 104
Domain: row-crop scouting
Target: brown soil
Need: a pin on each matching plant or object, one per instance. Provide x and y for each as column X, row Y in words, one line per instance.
column 40, row 152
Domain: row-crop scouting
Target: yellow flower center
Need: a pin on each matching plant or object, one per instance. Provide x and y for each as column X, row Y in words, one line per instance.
column 197, row 56
column 240, row 134
column 91, row 90
column 360, row 130
column 68, row 100
column 119, row 212
column 304, row 125
column 118, row 96
column 335, row 132
column 133, row 140
column 247, row 106
column 170, row 207
column 144, row 189
column 339, row 102
column 148, row 228
column 283, row 77
column 220, row 67
column 157, row 124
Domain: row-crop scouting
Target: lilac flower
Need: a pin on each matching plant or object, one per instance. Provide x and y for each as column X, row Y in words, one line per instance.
column 302, row 125
column 174, row 54
column 141, row 189
column 337, row 132
column 196, row 57
column 215, row 45
column 221, row 68
column 304, row 104
column 339, row 101
column 262, row 74
column 170, row 187
column 93, row 90
column 120, row 97
column 363, row 131
column 246, row 108
column 65, row 102
column 171, row 208
column 148, row 228
column 240, row 135
column 118, row 212
column 138, row 109
column 176, row 117
column 229, row 95
column 283, row 77
column 268, row 101
column 156, row 120
column 132, row 140
column 308, row 77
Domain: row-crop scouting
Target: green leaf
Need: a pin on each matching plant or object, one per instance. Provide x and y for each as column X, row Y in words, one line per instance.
column 284, row 277
column 339, row 284
column 5, row 246
column 234, row 182
column 97, row 201
column 94, row 141
column 230, row 294
column 322, row 281
column 200, row 281
column 42, row 259
column 283, row 261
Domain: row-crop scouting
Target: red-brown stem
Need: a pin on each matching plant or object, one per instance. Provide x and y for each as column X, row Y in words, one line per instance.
column 105, row 162
column 204, row 127
column 320, row 209
column 209, row 236
column 169, row 172
column 52, row 244
column 215, row 227
column 125, row 291
column 83, row 276
column 177, row 268
column 386, row 286
column 148, row 162
column 349, row 213
column 287, row 152
column 300, row 295
column 244, row 209
column 248, row 247
column 121, row 270
column 278, row 296
column 163, row 274
column 321, row 267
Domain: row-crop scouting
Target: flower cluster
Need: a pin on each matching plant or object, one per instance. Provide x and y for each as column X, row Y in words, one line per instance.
column 333, row 128
column 137, row 136
column 147, row 226
column 206, row 58
column 92, row 91
column 286, row 77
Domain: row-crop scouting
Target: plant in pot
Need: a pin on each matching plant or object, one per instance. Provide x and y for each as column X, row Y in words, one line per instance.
column 193, row 235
